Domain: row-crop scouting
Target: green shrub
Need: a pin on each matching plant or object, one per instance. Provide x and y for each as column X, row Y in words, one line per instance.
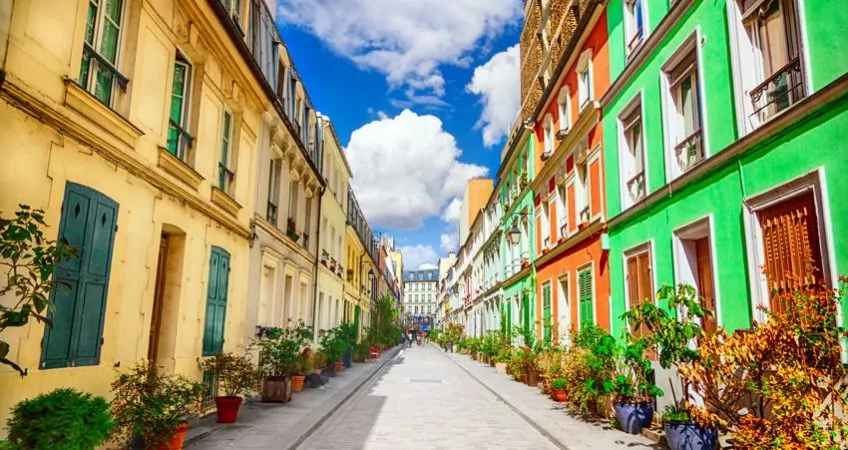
column 62, row 419
column 558, row 383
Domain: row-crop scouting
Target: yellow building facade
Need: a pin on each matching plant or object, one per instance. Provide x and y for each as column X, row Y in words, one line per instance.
column 138, row 127
column 359, row 283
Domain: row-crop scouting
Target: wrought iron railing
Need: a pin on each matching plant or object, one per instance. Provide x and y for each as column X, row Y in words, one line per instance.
column 179, row 140
column 225, row 178
column 211, row 383
column 96, row 63
column 689, row 151
column 780, row 90
column 585, row 215
column 271, row 213
column 634, row 41
column 636, row 187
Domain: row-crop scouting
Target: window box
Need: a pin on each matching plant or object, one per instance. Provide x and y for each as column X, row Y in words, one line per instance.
column 224, row 201
column 108, row 119
column 178, row 169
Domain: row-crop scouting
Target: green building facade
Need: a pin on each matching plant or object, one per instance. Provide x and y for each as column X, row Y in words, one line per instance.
column 725, row 132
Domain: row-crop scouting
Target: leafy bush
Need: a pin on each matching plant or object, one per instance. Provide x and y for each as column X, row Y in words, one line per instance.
column 152, row 403
column 550, row 362
column 558, row 383
column 63, row 419
column 236, row 374
column 630, row 380
column 584, row 369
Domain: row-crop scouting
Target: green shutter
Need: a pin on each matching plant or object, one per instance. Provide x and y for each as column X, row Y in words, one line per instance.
column 356, row 314
column 88, row 224
column 546, row 308
column 216, row 302
column 584, row 294
column 525, row 306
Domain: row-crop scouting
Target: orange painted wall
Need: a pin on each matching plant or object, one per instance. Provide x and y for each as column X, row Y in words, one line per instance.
column 588, row 251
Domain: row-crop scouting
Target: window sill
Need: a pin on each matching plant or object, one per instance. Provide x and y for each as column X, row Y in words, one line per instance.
column 108, row 119
column 224, row 201
column 178, row 169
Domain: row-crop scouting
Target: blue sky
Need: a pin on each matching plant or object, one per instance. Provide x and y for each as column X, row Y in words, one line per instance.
column 396, row 79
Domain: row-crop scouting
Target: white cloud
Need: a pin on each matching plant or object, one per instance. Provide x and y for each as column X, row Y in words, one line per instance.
column 497, row 83
column 428, row 266
column 451, row 212
column 418, row 255
column 449, row 242
column 406, row 40
column 406, row 168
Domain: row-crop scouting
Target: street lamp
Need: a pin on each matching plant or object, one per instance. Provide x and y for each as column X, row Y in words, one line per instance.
column 514, row 235
column 371, row 274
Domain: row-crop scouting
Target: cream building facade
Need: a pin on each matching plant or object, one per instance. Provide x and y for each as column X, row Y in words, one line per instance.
column 139, row 127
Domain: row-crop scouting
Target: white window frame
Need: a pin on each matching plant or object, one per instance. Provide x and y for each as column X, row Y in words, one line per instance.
column 564, row 105
column 673, row 133
column 584, row 89
column 814, row 181
column 548, row 134
column 91, row 83
column 229, row 184
column 563, row 303
column 624, row 156
column 630, row 30
column 684, row 272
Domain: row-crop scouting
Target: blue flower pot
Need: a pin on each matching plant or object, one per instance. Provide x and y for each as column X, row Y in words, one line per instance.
column 690, row 436
column 347, row 359
column 634, row 416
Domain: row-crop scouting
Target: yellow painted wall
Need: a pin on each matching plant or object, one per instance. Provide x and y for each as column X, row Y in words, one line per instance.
column 117, row 153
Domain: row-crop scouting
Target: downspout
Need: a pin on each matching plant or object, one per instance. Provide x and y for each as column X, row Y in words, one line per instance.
column 315, row 266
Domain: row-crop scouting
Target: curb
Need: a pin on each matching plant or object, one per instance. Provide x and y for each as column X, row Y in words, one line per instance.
column 356, row 386
column 515, row 409
column 351, row 389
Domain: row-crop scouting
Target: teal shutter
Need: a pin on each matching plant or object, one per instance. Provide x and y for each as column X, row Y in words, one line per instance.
column 216, row 302
column 546, row 308
column 584, row 294
column 88, row 224
column 525, row 306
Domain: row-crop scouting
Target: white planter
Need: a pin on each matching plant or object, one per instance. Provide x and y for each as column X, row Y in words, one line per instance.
column 500, row 367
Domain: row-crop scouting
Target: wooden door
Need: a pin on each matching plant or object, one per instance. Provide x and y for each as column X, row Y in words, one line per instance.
column 791, row 246
column 158, row 302
column 706, row 288
column 640, row 287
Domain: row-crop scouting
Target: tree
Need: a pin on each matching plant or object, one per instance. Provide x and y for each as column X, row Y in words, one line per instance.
column 28, row 260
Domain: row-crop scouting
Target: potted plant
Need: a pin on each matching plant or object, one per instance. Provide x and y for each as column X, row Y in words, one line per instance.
column 237, row 376
column 319, row 365
column 632, row 391
column 324, row 256
column 279, row 356
column 558, row 391
column 153, row 404
column 348, row 335
column 674, row 331
column 62, row 419
column 302, row 369
column 333, row 346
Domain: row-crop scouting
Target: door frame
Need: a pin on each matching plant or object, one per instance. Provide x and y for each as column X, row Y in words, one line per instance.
column 689, row 231
column 158, row 300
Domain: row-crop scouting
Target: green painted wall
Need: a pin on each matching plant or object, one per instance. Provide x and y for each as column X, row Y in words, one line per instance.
column 813, row 142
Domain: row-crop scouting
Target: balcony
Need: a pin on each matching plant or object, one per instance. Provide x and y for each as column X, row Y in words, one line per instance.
column 636, row 187
column 690, row 151
column 271, row 213
column 782, row 89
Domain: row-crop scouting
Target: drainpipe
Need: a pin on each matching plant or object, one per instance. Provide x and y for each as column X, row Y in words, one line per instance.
column 315, row 267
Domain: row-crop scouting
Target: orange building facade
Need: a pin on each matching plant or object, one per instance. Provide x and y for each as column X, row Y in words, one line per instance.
column 572, row 276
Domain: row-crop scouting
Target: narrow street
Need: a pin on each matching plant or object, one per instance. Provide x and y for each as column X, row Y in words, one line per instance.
column 423, row 400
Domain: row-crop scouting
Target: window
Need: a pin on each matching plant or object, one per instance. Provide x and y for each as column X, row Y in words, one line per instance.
column 234, row 7
column 564, row 105
column 584, row 78
column 683, row 112
column 100, row 51
column 88, row 224
column 216, row 302
column 545, row 225
column 768, row 63
column 416, row 310
column 633, row 156
column 634, row 24
column 274, row 190
column 307, row 222
column 585, row 288
column 294, row 187
column 694, row 266
column 582, row 191
column 179, row 140
column 226, row 176
column 548, row 137
column 640, row 286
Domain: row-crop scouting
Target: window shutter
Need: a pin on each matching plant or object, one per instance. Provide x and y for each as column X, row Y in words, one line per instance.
column 546, row 308
column 584, row 286
column 87, row 224
column 216, row 302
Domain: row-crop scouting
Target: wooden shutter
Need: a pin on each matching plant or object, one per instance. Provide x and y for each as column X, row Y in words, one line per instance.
column 640, row 287
column 705, row 282
column 790, row 242
column 584, row 295
column 216, row 302
column 546, row 314
column 88, row 224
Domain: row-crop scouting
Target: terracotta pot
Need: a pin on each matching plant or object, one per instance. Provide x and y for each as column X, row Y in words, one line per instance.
column 525, row 377
column 492, row 362
column 228, row 408
column 532, row 378
column 297, row 383
column 276, row 390
column 175, row 442
column 560, row 395
column 339, row 366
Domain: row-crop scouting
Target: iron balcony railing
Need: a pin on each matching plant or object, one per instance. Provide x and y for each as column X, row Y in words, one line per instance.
column 635, row 41
column 780, row 90
column 271, row 213
column 636, row 187
column 225, row 178
column 689, row 151
column 179, row 140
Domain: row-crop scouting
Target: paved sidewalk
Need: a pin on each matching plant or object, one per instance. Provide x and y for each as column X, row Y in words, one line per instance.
column 550, row 417
column 282, row 426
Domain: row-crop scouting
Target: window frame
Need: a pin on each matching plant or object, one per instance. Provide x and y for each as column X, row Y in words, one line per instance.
column 89, row 83
column 226, row 172
column 645, row 247
column 584, row 66
column 631, row 33
column 696, row 229
column 629, row 116
column 185, row 140
column 564, row 108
